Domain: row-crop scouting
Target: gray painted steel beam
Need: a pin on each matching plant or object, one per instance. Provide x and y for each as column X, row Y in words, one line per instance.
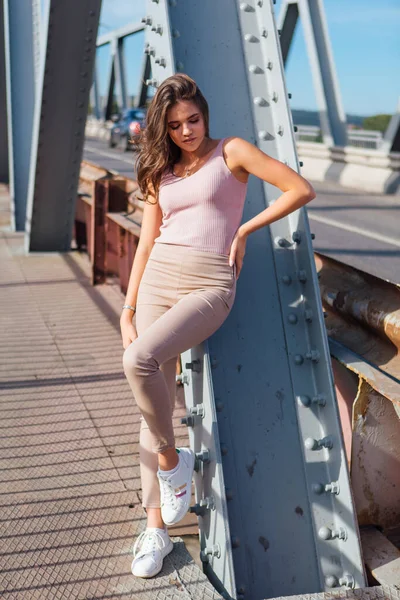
column 59, row 125
column 116, row 71
column 331, row 113
column 275, row 508
column 21, row 53
column 37, row 37
column 122, row 32
column 145, row 75
column 4, row 175
column 288, row 22
column 110, row 87
column 120, row 75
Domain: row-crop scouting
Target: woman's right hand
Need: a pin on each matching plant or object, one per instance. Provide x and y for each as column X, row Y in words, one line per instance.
column 128, row 330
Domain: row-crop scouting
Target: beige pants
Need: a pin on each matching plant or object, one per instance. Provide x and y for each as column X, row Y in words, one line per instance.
column 184, row 296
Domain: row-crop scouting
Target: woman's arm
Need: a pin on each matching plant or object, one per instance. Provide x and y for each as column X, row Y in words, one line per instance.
column 297, row 191
column 150, row 229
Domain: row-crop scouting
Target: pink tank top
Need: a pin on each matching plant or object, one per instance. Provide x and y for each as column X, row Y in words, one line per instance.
column 203, row 210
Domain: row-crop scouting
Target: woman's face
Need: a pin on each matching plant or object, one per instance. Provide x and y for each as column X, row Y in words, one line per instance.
column 185, row 122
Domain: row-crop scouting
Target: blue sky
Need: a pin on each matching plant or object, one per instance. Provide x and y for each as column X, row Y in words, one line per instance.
column 365, row 41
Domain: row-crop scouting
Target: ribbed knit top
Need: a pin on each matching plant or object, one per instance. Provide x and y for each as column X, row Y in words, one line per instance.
column 203, row 210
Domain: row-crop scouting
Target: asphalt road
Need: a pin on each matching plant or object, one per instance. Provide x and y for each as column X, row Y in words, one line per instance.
column 354, row 227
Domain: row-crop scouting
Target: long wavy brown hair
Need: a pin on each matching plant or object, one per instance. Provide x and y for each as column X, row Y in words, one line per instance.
column 157, row 152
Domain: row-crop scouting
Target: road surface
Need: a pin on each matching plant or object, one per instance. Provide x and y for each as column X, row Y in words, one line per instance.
column 352, row 226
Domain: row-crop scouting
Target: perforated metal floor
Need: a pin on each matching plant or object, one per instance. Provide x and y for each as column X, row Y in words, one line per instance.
column 69, row 475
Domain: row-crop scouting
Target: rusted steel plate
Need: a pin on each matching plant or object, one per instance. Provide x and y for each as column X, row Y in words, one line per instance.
column 378, row 380
column 375, row 473
column 381, row 557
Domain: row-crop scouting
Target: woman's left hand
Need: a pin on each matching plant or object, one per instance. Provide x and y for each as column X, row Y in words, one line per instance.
column 237, row 251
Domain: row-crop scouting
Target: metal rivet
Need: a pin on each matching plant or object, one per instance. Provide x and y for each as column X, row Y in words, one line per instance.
column 292, row 318
column 270, row 65
column 203, row 456
column 308, row 315
column 251, row 38
column 188, row 420
column 348, row 581
column 175, row 33
column 183, row 378
column 255, row 69
column 302, row 276
column 296, row 237
column 301, row 163
column 313, row 444
column 265, row 135
column 198, row 410
column 214, row 550
column 282, row 242
column 275, row 97
column 280, row 130
column 298, row 359
column 319, row 399
column 194, row 365
column 203, row 506
column 333, row 488
column 246, row 7
column 286, row 279
column 313, row 355
column 330, row 534
column 259, row 101
column 331, row 581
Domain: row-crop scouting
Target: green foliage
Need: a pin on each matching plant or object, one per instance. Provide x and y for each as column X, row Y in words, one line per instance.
column 377, row 122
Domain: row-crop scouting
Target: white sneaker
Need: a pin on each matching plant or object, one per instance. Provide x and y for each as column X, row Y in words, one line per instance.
column 176, row 488
column 150, row 548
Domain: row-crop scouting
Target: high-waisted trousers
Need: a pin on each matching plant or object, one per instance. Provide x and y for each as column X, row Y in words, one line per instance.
column 184, row 296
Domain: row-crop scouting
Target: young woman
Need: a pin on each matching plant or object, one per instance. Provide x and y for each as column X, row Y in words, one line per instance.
column 183, row 280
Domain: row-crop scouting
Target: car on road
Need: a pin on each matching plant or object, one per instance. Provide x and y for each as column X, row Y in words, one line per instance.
column 126, row 125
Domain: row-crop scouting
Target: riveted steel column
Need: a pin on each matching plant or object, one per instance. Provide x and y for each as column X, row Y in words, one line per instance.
column 21, row 91
column 273, row 497
column 4, row 176
column 312, row 15
column 60, row 115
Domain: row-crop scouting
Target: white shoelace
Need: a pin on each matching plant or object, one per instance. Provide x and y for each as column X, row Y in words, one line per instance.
column 150, row 540
column 168, row 492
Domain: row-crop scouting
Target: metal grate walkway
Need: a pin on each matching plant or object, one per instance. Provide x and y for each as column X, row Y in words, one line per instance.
column 69, row 475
